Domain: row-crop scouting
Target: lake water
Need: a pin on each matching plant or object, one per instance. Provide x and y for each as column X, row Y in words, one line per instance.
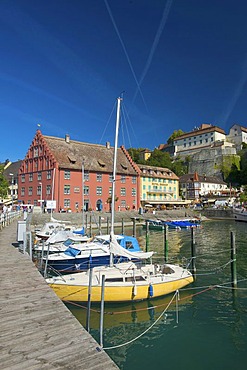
column 205, row 329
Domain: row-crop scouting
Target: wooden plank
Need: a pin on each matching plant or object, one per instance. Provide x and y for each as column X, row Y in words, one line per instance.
column 37, row 329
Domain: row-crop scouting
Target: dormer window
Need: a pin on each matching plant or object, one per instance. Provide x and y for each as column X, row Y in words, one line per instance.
column 72, row 158
column 124, row 166
column 101, row 163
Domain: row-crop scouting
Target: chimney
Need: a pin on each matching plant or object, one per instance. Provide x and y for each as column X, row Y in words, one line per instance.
column 107, row 145
column 67, row 138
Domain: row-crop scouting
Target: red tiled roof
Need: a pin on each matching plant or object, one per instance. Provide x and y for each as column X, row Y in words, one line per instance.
column 96, row 157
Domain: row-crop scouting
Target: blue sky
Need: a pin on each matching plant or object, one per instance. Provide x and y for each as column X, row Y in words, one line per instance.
column 64, row 62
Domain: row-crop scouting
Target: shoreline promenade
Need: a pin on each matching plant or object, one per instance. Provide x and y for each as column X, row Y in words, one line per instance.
column 37, row 330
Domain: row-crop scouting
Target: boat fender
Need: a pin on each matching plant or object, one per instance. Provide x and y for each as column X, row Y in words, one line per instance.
column 150, row 290
column 134, row 290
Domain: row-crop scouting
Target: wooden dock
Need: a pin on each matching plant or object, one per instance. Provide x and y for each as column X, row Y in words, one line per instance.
column 37, row 331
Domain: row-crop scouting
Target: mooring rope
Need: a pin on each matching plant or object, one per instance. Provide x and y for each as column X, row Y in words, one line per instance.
column 145, row 331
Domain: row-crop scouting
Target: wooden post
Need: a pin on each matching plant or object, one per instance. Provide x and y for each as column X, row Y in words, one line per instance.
column 134, row 227
column 46, row 261
column 122, row 226
column 102, row 310
column 100, row 225
column 193, row 252
column 166, row 243
column 233, row 261
column 89, row 299
column 107, row 226
column 91, row 226
column 147, row 235
column 42, row 256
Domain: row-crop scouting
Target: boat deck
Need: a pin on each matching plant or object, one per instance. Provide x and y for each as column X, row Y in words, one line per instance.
column 37, row 330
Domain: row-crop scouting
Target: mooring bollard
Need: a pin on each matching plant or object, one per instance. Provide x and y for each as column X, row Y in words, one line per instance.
column 233, row 261
column 193, row 252
column 91, row 233
column 107, row 225
column 134, row 227
column 101, row 326
column 122, row 226
column 147, row 235
column 166, row 243
column 89, row 299
column 100, row 225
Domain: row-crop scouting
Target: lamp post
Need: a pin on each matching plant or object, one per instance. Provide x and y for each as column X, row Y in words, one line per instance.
column 12, row 189
column 41, row 195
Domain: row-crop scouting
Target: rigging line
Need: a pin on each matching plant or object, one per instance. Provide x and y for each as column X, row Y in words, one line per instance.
column 113, row 109
column 145, row 331
column 155, row 43
column 125, row 52
column 127, row 119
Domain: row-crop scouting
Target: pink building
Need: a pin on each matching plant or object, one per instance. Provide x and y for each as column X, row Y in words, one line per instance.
column 54, row 170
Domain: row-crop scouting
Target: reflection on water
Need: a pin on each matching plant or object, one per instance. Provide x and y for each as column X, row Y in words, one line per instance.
column 212, row 328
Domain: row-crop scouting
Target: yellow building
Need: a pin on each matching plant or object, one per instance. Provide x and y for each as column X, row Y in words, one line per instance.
column 158, row 186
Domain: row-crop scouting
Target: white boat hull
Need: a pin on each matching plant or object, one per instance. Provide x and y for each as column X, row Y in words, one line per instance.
column 240, row 215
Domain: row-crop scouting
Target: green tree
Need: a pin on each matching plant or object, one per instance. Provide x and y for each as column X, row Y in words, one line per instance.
column 4, row 184
column 179, row 167
column 135, row 154
column 159, row 159
column 174, row 135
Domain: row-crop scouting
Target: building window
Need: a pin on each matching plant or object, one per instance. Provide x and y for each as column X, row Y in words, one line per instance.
column 39, row 190
column 111, row 178
column 99, row 190
column 48, row 175
column 22, row 192
column 36, row 152
column 206, row 140
column 86, row 190
column 123, row 179
column 86, row 175
column 194, row 142
column 134, row 180
column 133, row 192
column 123, row 204
column 48, row 189
column 30, row 177
column 30, row 190
column 66, row 203
column 99, row 177
column 67, row 174
column 39, row 176
column 110, row 191
column 189, row 144
column 66, row 189
column 184, row 145
column 144, row 187
column 123, row 192
column 22, row 178
column 200, row 141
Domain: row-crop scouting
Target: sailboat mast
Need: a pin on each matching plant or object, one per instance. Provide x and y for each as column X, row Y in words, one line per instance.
column 115, row 165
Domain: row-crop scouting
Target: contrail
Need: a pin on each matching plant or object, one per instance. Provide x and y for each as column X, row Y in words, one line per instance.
column 236, row 95
column 155, row 44
column 125, row 52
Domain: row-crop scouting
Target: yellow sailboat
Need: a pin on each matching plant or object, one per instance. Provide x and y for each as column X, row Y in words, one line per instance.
column 124, row 282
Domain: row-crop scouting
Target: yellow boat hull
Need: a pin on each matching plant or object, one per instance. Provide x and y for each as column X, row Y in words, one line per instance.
column 117, row 293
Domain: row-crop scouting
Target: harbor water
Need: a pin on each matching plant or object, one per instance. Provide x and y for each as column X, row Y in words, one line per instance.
column 202, row 327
